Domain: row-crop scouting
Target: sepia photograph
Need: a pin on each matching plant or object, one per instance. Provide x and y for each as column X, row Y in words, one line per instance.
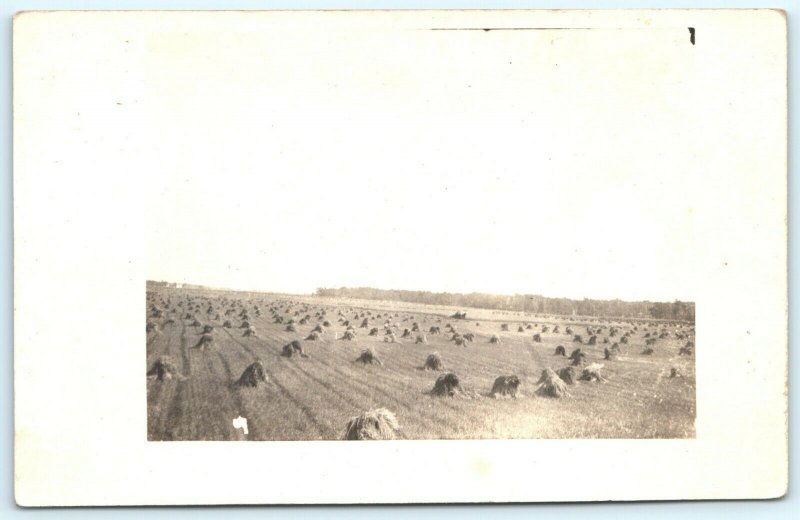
column 499, row 241
column 368, row 364
column 425, row 244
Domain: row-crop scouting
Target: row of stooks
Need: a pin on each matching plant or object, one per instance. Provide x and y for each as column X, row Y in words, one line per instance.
column 390, row 337
column 197, row 303
column 381, row 423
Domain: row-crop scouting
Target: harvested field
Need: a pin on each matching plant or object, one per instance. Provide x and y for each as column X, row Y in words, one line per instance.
column 313, row 399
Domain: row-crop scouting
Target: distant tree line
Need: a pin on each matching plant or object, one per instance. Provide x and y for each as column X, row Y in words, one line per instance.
column 676, row 310
column 178, row 285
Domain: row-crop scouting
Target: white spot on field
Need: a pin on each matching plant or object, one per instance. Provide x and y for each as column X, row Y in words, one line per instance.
column 240, row 422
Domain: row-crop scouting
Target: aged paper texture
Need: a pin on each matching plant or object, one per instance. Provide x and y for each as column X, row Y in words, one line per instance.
column 415, row 226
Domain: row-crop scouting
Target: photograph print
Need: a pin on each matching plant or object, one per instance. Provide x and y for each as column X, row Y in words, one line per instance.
column 411, row 231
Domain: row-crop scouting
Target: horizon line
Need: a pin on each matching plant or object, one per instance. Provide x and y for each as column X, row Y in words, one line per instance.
column 313, row 293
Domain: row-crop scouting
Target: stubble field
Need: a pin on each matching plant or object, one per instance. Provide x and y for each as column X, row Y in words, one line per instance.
column 312, row 398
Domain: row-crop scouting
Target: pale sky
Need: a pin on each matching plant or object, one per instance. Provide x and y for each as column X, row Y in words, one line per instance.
column 546, row 162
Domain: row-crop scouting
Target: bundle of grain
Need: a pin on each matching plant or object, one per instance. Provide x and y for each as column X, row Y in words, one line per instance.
column 227, row 324
column 207, row 329
column 447, row 385
column 377, row 424
column 421, row 339
column 647, row 351
column 577, row 339
column 567, row 374
column 249, row 332
column 252, row 375
column 592, row 373
column 349, row 335
column 163, row 369
column 537, row 338
column 560, row 351
column 433, row 362
column 368, row 357
column 206, row 340
column 495, row 339
column 550, row 385
column 291, row 328
column 374, row 331
column 459, row 340
column 505, row 386
column 504, row 327
column 609, row 354
column 293, row 348
column 577, row 357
